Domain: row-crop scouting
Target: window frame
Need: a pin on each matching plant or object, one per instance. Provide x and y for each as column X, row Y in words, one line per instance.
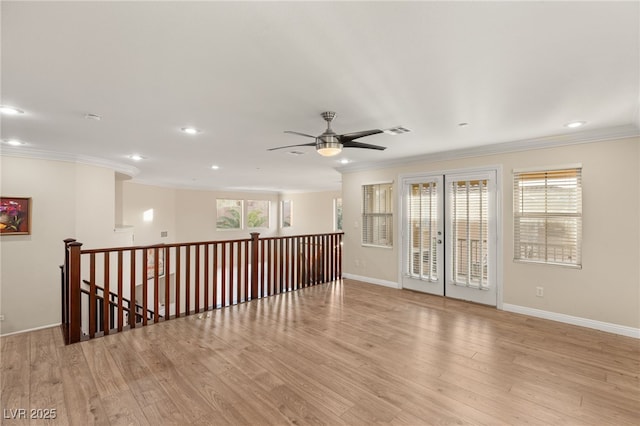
column 249, row 210
column 218, row 217
column 385, row 214
column 568, row 211
column 338, row 224
column 282, row 214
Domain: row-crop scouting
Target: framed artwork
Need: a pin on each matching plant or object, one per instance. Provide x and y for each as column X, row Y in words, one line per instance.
column 151, row 262
column 15, row 216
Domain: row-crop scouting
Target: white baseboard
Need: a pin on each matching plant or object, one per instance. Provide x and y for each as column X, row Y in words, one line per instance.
column 371, row 280
column 568, row 319
column 30, row 329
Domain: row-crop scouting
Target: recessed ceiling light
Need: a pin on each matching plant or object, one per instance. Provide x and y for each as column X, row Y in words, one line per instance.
column 574, row 124
column 214, row 167
column 136, row 157
column 95, row 117
column 190, row 130
column 5, row 109
column 14, row 142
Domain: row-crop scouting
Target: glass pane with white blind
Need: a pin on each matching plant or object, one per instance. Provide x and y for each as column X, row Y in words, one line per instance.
column 469, row 229
column 548, row 216
column 422, row 211
column 377, row 215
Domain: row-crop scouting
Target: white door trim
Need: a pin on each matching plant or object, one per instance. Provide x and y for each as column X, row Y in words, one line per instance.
column 400, row 182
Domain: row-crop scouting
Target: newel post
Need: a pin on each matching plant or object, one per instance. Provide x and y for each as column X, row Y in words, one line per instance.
column 255, row 244
column 73, row 279
column 64, row 290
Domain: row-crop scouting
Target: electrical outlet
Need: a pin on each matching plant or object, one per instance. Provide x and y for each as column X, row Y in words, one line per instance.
column 1, row 317
column 540, row 291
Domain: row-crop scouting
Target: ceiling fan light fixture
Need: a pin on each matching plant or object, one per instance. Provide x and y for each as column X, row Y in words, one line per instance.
column 329, row 149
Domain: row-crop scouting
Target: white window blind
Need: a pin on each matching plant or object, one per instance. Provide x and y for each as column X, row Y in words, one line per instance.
column 377, row 215
column 423, row 228
column 468, row 245
column 548, row 216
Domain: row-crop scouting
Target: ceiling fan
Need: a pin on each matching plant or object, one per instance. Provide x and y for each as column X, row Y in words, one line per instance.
column 329, row 143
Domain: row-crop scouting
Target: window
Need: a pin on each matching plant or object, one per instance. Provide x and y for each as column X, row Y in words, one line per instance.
column 377, row 215
column 286, row 213
column 547, row 214
column 229, row 214
column 337, row 214
column 257, row 214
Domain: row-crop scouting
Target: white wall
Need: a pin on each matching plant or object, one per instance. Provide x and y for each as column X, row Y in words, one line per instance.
column 68, row 201
column 137, row 199
column 198, row 214
column 86, row 202
column 606, row 289
column 312, row 212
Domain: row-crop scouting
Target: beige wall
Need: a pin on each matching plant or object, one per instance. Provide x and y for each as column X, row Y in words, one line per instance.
column 312, row 212
column 606, row 289
column 197, row 215
column 68, row 201
column 86, row 202
column 136, row 199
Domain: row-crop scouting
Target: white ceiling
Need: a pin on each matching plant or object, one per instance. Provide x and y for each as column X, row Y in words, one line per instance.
column 244, row 72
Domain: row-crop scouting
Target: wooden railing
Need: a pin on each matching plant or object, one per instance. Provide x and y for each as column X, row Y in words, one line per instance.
column 113, row 289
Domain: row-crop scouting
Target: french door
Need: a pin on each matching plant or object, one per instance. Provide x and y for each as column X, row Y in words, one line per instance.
column 450, row 235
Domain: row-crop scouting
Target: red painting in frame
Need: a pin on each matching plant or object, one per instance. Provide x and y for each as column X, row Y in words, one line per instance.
column 15, row 216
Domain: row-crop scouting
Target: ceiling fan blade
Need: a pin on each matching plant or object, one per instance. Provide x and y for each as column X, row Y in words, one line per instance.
column 291, row 146
column 298, row 133
column 355, row 135
column 352, row 144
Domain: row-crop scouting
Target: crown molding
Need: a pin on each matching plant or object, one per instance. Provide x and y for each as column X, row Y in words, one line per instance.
column 574, row 138
column 38, row 154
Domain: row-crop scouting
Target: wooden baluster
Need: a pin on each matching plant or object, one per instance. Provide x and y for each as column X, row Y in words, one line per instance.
column 269, row 269
column 197, row 274
column 145, row 277
column 156, row 285
column 255, row 254
column 92, row 295
column 238, row 281
column 187, row 282
column 120, row 308
column 264, row 282
column 132, row 291
column 106, row 308
column 247, row 257
column 232, row 282
column 333, row 257
column 178, row 280
column 280, row 265
column 215, row 276
column 167, row 283
column 206, row 277
column 287, row 263
column 223, row 276
column 339, row 244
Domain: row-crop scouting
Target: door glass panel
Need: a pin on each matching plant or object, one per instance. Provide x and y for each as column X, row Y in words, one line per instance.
column 423, row 225
column 469, row 200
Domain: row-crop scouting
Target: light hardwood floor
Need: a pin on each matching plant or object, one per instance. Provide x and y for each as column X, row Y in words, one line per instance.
column 339, row 353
